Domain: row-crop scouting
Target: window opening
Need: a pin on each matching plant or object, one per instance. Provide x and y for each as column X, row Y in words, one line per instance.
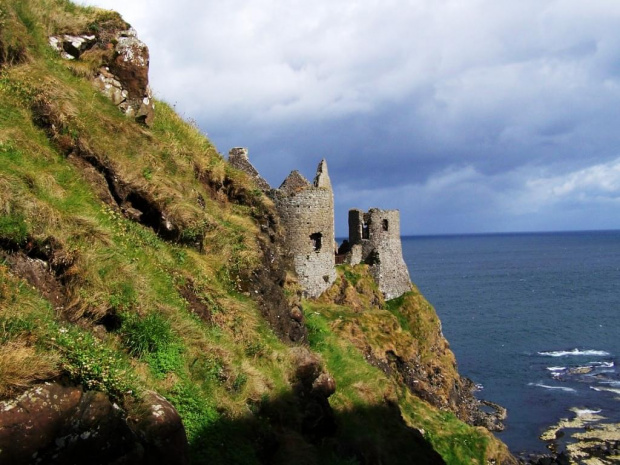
column 385, row 225
column 316, row 239
column 365, row 232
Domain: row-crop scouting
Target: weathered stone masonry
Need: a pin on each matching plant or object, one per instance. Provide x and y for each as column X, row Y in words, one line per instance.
column 307, row 214
column 374, row 238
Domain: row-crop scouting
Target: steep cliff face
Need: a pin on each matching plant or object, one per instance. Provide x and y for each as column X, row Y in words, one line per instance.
column 147, row 310
column 403, row 338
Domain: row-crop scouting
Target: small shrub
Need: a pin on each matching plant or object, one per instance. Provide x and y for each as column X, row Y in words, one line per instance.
column 254, row 349
column 142, row 336
column 147, row 173
column 240, row 380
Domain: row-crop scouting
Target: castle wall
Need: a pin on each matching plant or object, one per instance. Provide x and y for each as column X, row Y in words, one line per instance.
column 378, row 233
column 238, row 158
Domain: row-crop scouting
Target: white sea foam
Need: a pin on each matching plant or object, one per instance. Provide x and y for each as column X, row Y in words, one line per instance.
column 555, row 369
column 602, row 364
column 584, row 412
column 611, row 383
column 565, row 353
column 559, row 388
column 605, row 389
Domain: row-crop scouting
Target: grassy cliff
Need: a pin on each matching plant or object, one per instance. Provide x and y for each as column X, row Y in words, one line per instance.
column 134, row 259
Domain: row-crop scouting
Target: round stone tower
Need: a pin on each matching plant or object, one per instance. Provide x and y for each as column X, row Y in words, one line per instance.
column 307, row 215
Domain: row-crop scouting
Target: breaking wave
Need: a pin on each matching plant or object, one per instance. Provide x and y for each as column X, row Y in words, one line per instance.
column 584, row 411
column 602, row 364
column 611, row 383
column 556, row 369
column 605, row 389
column 559, row 388
column 574, row 352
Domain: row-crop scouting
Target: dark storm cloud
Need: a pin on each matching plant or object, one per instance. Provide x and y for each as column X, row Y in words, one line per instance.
column 472, row 115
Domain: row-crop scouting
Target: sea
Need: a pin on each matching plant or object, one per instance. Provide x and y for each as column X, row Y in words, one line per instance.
column 532, row 319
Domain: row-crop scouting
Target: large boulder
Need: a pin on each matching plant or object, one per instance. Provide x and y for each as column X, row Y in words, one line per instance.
column 161, row 432
column 56, row 424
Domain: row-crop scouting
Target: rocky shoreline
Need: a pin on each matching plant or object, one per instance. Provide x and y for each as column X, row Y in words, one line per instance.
column 585, row 439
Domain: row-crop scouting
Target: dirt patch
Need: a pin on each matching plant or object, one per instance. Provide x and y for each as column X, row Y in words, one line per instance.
column 197, row 306
column 45, row 265
column 39, row 275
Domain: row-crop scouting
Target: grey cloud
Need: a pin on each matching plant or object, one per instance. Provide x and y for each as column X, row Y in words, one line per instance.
column 397, row 95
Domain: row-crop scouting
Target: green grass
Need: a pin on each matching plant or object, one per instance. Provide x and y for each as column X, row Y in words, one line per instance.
column 142, row 336
column 363, row 386
column 394, row 306
column 94, row 364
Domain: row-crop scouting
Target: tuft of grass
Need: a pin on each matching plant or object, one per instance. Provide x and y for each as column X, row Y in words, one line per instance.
column 394, row 307
column 351, row 276
column 145, row 335
column 13, row 228
column 22, row 364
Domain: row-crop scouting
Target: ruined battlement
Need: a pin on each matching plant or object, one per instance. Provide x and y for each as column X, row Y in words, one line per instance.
column 306, row 213
column 238, row 158
column 374, row 239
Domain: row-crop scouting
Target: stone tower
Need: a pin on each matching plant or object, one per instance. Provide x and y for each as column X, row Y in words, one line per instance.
column 307, row 215
column 306, row 212
column 374, row 238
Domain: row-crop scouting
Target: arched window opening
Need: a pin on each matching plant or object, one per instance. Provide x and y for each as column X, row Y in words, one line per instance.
column 365, row 231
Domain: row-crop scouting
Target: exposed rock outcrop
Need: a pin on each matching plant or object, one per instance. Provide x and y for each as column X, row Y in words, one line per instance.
column 313, row 386
column 123, row 73
column 56, row 424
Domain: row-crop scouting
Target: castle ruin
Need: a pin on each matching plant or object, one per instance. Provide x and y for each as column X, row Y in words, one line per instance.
column 374, row 239
column 306, row 211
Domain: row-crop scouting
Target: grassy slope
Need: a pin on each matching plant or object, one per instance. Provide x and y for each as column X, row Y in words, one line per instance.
column 350, row 326
column 125, row 324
